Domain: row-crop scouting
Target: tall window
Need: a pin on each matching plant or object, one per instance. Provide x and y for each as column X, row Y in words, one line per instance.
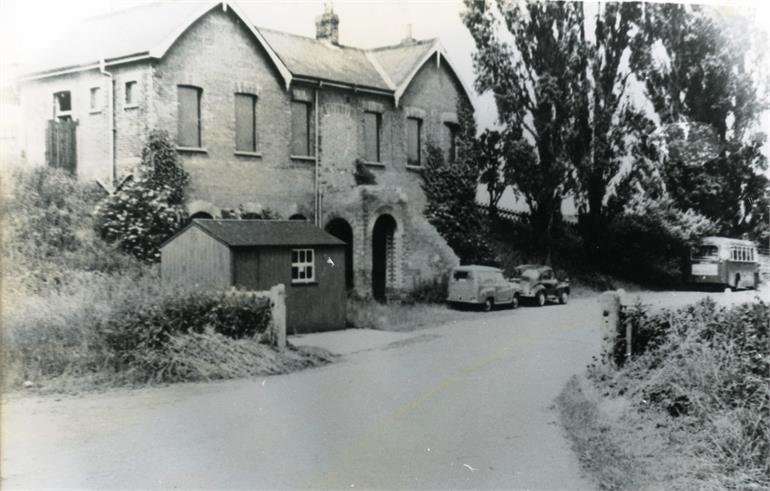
column 300, row 129
column 413, row 130
column 372, row 127
column 94, row 100
column 131, row 93
column 245, row 122
column 450, row 137
column 302, row 266
column 189, row 116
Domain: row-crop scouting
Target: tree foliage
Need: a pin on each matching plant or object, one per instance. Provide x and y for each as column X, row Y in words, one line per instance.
column 148, row 208
column 537, row 82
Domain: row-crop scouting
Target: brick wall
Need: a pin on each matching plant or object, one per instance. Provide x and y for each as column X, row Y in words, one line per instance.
column 220, row 56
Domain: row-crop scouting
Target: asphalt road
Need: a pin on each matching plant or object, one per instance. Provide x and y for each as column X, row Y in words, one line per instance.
column 464, row 405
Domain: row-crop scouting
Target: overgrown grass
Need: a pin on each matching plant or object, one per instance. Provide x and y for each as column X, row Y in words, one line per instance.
column 397, row 316
column 691, row 409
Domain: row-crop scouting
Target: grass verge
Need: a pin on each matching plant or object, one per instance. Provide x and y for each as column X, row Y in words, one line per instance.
column 398, row 316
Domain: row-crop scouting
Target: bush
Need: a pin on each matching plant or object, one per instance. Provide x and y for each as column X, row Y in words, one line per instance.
column 107, row 328
column 148, row 208
column 703, row 375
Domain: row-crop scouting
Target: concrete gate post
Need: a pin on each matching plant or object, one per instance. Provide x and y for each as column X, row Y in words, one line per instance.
column 278, row 303
column 610, row 306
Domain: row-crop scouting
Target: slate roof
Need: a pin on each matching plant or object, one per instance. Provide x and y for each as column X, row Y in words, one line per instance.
column 147, row 30
column 309, row 57
column 244, row 233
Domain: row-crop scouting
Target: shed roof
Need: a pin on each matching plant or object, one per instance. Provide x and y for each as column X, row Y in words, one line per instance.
column 244, row 233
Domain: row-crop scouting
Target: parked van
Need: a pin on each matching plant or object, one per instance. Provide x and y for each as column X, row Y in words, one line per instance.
column 483, row 286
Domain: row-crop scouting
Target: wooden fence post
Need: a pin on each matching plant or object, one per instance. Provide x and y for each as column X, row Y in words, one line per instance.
column 278, row 302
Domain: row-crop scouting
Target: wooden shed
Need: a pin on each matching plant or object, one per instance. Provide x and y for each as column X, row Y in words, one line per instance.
column 258, row 254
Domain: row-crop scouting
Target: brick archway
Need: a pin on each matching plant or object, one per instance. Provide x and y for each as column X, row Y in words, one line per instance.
column 384, row 260
column 340, row 228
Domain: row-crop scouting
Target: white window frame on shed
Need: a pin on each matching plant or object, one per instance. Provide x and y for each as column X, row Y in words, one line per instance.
column 302, row 266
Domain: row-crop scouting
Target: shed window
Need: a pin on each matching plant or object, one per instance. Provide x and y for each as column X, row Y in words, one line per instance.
column 300, row 129
column 131, row 93
column 302, row 266
column 245, row 122
column 413, row 130
column 94, row 99
column 189, row 116
column 372, row 128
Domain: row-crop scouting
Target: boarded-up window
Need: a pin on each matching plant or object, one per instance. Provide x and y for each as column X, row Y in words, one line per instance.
column 372, row 124
column 413, row 129
column 131, row 99
column 300, row 129
column 245, row 122
column 450, row 139
column 189, row 114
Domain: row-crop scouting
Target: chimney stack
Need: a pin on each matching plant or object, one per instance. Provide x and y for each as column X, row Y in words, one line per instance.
column 408, row 39
column 327, row 25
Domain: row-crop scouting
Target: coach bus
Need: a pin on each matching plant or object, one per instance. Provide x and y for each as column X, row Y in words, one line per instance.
column 723, row 261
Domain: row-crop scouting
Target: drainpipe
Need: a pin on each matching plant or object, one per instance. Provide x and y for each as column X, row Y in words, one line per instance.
column 111, row 91
column 317, row 185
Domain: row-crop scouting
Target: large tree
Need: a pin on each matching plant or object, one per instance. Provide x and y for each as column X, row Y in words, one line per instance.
column 537, row 79
column 701, row 82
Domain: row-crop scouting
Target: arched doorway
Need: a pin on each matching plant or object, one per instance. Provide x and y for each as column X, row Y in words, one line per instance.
column 383, row 256
column 201, row 214
column 342, row 230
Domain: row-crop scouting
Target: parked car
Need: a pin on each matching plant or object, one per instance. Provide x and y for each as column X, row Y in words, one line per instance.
column 482, row 286
column 541, row 284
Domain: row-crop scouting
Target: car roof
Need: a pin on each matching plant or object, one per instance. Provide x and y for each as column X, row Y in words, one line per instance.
column 533, row 266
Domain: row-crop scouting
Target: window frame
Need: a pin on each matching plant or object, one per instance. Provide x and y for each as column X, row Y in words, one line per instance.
column 453, row 130
column 377, row 134
column 94, row 93
column 309, row 152
column 254, row 99
column 130, row 94
column 301, row 263
column 58, row 112
column 409, row 162
column 199, row 93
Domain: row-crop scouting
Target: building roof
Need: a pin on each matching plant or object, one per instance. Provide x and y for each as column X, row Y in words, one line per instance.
column 265, row 233
column 149, row 30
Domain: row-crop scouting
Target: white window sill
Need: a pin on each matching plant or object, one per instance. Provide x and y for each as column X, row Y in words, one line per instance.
column 304, row 158
column 130, row 106
column 416, row 168
column 191, row 150
column 303, row 283
column 95, row 111
column 242, row 153
column 371, row 163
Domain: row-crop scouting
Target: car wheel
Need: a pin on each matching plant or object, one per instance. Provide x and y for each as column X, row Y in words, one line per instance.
column 515, row 302
column 563, row 297
column 488, row 304
column 540, row 298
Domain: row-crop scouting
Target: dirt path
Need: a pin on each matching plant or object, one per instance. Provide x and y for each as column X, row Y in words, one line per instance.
column 465, row 405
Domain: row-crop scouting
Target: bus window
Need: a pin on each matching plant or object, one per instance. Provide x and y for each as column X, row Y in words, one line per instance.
column 705, row 251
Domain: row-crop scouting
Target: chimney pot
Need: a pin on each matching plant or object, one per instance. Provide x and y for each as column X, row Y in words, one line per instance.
column 327, row 25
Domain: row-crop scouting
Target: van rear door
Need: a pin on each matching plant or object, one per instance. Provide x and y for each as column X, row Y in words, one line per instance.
column 462, row 286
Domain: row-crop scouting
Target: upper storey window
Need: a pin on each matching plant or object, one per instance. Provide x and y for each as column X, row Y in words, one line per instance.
column 245, row 123
column 189, row 116
column 413, row 141
column 372, row 131
column 62, row 105
column 300, row 129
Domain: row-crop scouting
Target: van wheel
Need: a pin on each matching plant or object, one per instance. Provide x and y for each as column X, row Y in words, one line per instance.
column 515, row 302
column 563, row 297
column 488, row 304
column 540, row 298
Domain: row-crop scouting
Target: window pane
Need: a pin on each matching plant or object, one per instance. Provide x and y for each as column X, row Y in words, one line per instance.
column 94, row 97
column 310, row 255
column 310, row 272
column 450, row 140
column 413, row 140
column 372, row 136
column 294, row 273
column 188, row 130
column 300, row 128
column 294, row 255
column 245, row 123
column 63, row 101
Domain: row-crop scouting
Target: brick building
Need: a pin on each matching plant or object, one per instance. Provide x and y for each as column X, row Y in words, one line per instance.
column 260, row 118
